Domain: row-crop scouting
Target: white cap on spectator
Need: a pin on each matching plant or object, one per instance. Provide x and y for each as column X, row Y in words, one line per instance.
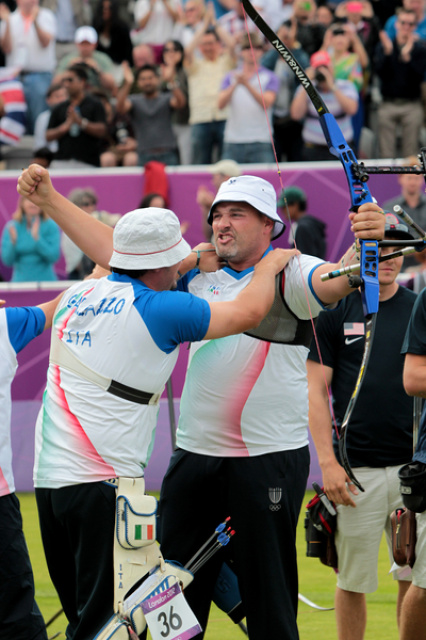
column 86, row 34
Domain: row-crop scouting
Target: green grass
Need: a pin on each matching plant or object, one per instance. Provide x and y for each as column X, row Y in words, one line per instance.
column 317, row 583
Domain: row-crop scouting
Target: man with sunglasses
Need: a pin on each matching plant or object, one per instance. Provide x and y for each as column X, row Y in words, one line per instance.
column 379, row 439
column 400, row 65
column 419, row 8
column 78, row 124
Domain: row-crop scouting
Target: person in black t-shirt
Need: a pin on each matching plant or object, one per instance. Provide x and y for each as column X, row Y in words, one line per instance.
column 78, row 124
column 379, row 437
column 308, row 234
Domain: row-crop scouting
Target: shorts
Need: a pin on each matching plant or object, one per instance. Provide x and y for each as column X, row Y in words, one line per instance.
column 419, row 569
column 359, row 530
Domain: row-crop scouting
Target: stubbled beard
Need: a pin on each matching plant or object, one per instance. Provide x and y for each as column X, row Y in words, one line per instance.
column 227, row 253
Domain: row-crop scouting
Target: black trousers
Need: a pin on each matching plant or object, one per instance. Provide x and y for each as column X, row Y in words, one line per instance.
column 77, row 528
column 20, row 617
column 263, row 496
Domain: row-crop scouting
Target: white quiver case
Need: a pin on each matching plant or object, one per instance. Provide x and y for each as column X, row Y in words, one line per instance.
column 140, row 570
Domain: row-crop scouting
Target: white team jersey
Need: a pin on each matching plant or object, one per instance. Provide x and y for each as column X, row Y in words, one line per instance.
column 243, row 396
column 123, row 330
column 18, row 326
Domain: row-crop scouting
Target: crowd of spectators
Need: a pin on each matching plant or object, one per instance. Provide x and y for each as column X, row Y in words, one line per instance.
column 372, row 73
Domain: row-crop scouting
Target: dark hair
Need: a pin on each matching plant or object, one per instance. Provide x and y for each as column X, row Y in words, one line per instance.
column 81, row 70
column 44, row 152
column 132, row 273
column 400, row 10
column 146, row 67
column 54, row 87
column 211, row 31
column 98, row 19
column 177, row 45
column 148, row 198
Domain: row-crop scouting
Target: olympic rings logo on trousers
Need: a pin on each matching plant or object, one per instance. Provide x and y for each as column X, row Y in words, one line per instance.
column 275, row 497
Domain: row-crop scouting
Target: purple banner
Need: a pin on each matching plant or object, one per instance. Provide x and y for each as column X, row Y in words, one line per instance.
column 121, row 190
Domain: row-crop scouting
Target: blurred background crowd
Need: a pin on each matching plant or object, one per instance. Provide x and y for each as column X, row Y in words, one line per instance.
column 122, row 82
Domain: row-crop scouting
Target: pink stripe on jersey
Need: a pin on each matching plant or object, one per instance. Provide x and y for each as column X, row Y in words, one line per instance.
column 87, row 448
column 241, row 393
column 4, row 487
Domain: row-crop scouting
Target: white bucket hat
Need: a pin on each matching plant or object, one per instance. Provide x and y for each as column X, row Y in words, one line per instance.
column 252, row 190
column 148, row 238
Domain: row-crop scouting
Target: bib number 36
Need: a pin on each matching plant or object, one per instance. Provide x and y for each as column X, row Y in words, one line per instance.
column 169, row 617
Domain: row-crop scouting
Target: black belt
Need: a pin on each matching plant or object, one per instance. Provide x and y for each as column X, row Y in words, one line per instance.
column 129, row 393
column 64, row 42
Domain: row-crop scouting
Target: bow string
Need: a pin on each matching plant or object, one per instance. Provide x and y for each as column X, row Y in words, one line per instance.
column 368, row 279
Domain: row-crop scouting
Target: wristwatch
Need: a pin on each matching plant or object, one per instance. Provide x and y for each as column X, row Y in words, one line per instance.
column 84, row 123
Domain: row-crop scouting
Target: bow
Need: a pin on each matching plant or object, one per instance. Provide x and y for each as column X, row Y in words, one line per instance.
column 368, row 279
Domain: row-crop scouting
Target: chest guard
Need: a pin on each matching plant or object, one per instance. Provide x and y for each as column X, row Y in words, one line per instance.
column 281, row 325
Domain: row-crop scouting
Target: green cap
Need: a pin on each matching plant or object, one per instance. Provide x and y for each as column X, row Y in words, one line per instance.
column 291, row 195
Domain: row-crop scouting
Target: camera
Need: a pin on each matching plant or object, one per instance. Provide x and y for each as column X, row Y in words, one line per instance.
column 316, row 540
column 319, row 77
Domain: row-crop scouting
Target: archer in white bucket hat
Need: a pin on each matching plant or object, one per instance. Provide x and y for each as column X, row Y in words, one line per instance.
column 252, row 190
column 148, row 239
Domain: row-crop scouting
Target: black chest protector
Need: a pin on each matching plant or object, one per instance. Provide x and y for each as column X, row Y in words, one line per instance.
column 281, row 325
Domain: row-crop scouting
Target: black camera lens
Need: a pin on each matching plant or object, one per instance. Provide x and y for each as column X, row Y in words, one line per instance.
column 320, row 77
column 338, row 32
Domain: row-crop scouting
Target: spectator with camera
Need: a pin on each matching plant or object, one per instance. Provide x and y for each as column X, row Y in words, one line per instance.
column 341, row 98
column 350, row 62
column 361, row 16
column 310, row 32
column 287, row 132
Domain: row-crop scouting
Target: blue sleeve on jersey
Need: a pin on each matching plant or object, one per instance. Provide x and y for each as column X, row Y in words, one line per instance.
column 183, row 282
column 24, row 324
column 174, row 317
column 312, row 288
